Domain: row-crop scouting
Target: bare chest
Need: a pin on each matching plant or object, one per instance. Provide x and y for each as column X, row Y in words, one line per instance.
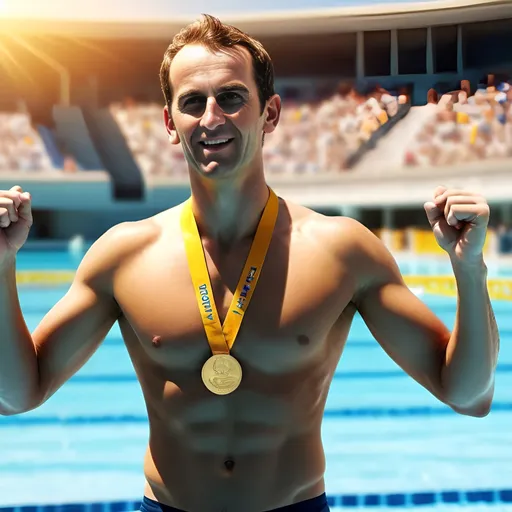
column 293, row 317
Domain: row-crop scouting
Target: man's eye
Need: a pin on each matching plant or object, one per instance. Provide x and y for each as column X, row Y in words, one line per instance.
column 229, row 97
column 230, row 102
column 194, row 101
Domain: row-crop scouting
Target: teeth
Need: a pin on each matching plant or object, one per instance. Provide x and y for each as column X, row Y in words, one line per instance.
column 213, row 142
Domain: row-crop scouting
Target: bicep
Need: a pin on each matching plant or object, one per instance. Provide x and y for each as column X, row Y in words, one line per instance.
column 406, row 328
column 69, row 335
column 410, row 333
column 73, row 329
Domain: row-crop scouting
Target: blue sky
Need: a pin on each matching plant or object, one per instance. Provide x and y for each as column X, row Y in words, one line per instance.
column 155, row 9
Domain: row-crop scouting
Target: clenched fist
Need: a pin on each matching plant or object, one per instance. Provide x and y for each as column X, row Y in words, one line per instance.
column 15, row 222
column 459, row 220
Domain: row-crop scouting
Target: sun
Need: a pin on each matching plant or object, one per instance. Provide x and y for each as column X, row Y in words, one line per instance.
column 3, row 7
column 11, row 7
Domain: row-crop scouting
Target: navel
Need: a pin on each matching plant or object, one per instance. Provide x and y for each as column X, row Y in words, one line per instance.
column 229, row 464
column 302, row 339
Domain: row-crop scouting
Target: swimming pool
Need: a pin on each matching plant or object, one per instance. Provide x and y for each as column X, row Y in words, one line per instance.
column 388, row 442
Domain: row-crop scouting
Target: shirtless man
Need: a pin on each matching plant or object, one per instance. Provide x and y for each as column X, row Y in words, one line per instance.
column 240, row 430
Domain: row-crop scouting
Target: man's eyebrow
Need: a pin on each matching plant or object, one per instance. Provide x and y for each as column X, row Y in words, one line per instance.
column 224, row 88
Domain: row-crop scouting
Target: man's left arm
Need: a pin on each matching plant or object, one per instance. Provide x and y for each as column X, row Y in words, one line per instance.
column 457, row 367
column 472, row 351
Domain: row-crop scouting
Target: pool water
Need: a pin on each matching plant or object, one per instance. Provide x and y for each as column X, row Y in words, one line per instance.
column 383, row 434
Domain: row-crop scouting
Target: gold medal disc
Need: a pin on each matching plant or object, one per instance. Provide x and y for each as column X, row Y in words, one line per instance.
column 221, row 374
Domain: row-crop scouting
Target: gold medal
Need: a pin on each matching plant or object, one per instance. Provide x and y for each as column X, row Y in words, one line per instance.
column 222, row 373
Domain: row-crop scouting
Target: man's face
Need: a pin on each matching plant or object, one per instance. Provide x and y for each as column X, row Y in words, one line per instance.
column 215, row 112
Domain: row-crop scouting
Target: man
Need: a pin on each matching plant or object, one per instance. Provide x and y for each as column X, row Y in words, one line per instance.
column 235, row 411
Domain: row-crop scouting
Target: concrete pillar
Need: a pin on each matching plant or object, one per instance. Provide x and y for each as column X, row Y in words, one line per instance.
column 388, row 218
column 386, row 233
column 360, row 55
column 460, row 53
column 394, row 53
column 430, row 52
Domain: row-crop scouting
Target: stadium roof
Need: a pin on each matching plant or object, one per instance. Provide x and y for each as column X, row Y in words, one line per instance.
column 136, row 10
column 291, row 22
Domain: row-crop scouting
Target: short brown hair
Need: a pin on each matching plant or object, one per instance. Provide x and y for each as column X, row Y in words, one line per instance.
column 215, row 35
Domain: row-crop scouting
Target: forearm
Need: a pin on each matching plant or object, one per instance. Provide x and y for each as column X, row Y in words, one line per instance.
column 19, row 374
column 472, row 352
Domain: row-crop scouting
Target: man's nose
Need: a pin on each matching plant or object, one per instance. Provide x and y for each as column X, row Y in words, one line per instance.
column 213, row 115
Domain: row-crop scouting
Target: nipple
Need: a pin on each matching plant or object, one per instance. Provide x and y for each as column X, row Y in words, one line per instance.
column 303, row 339
column 156, row 341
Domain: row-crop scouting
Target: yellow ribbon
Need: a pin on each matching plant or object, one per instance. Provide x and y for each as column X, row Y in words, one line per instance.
column 222, row 338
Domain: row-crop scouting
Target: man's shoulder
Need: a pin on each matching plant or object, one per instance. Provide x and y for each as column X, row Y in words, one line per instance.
column 356, row 242
column 127, row 237
column 119, row 244
column 343, row 233
column 355, row 246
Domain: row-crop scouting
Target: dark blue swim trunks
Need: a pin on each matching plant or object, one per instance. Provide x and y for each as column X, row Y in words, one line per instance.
column 318, row 504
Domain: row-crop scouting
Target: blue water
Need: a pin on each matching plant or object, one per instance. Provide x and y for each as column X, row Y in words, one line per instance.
column 382, row 432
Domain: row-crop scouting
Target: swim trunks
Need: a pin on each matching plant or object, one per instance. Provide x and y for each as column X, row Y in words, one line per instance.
column 318, row 504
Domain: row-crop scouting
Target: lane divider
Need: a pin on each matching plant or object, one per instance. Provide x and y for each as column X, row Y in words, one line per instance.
column 31, row 420
column 371, row 500
column 45, row 277
column 499, row 289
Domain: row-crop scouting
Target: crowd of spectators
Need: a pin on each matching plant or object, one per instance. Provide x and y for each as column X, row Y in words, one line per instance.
column 322, row 136
column 21, row 148
column 143, row 128
column 465, row 127
column 314, row 136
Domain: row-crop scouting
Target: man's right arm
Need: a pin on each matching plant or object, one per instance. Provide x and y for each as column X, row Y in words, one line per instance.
column 33, row 367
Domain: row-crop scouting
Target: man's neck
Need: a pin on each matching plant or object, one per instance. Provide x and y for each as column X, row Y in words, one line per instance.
column 227, row 212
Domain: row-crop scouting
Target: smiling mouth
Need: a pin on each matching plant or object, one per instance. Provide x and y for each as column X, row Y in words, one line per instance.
column 215, row 144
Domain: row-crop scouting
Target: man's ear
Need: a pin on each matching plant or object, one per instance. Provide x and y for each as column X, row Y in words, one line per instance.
column 272, row 114
column 169, row 126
